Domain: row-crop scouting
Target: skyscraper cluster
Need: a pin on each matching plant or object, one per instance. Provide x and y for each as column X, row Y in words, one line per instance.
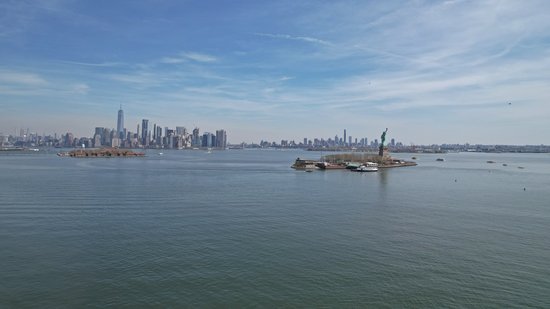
column 156, row 136
column 346, row 141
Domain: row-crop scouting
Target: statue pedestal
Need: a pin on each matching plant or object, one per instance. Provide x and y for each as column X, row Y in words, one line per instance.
column 383, row 152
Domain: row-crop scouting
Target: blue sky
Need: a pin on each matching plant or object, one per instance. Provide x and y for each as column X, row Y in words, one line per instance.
column 430, row 71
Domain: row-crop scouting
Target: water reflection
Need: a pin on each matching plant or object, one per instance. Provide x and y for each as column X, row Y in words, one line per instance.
column 383, row 177
column 383, row 183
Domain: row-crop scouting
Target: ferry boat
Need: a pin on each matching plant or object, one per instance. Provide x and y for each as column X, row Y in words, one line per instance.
column 367, row 167
column 352, row 165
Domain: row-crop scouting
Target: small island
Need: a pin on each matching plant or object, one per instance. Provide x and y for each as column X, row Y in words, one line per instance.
column 101, row 153
column 350, row 161
column 361, row 158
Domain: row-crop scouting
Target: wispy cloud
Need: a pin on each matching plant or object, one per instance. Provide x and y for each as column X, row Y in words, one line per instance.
column 81, row 88
column 137, row 78
column 189, row 56
column 21, row 78
column 295, row 38
column 199, row 57
column 172, row 60
column 92, row 64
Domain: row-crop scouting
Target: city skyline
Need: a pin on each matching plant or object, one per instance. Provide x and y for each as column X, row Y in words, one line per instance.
column 121, row 137
column 180, row 138
column 433, row 72
column 145, row 137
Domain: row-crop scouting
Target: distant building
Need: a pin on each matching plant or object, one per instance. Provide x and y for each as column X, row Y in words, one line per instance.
column 84, row 142
column 120, row 123
column 106, row 137
column 344, row 137
column 98, row 136
column 69, row 140
column 157, row 135
column 97, row 140
column 221, row 139
column 196, row 140
column 208, row 140
column 169, row 138
column 181, row 131
column 144, row 132
column 115, row 142
column 99, row 130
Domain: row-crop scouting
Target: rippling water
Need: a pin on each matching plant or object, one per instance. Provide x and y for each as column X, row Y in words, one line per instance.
column 239, row 228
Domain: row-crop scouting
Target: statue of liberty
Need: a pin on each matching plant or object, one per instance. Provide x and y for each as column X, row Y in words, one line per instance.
column 383, row 139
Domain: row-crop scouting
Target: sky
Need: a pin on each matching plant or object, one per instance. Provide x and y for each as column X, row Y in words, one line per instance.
column 429, row 71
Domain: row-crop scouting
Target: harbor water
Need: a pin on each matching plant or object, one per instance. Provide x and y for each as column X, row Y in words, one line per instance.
column 239, row 228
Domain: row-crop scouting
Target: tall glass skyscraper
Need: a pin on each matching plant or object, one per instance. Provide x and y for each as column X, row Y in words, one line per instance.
column 120, row 123
column 144, row 132
column 344, row 137
column 196, row 139
column 221, row 139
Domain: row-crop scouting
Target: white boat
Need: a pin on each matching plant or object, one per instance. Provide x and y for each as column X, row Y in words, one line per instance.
column 367, row 167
